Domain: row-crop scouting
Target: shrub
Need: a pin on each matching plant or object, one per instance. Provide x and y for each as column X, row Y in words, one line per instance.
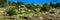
column 46, row 7
column 11, row 12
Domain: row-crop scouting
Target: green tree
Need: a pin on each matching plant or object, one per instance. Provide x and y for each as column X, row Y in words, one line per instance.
column 53, row 3
column 57, row 5
column 2, row 1
column 46, row 7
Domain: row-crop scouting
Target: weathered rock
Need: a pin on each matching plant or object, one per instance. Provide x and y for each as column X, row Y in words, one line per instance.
column 41, row 18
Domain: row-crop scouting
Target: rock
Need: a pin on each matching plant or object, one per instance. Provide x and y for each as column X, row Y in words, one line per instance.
column 52, row 12
column 41, row 18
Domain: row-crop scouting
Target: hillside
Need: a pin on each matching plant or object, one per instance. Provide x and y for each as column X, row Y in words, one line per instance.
column 22, row 11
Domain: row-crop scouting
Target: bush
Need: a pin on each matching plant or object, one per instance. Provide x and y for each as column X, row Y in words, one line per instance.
column 12, row 12
column 44, row 9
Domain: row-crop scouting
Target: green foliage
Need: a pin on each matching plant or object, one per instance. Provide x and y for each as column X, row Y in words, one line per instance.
column 45, row 7
column 54, row 5
column 57, row 5
column 2, row 2
column 2, row 6
column 12, row 3
column 15, row 3
column 29, row 6
column 12, row 12
column 32, row 6
column 32, row 9
column 37, row 6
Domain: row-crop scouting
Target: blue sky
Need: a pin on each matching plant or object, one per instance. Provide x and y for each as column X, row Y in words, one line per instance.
column 33, row 1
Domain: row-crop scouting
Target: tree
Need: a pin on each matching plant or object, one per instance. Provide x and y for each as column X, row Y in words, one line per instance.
column 46, row 7
column 2, row 1
column 53, row 3
column 57, row 5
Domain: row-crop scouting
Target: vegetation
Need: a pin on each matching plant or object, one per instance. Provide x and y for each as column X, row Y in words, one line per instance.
column 15, row 11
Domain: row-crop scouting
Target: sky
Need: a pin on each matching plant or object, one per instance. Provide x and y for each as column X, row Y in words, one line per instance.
column 33, row 1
